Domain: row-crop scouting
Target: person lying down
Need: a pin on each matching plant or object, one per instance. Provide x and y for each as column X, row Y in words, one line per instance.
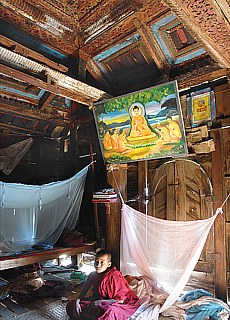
column 111, row 298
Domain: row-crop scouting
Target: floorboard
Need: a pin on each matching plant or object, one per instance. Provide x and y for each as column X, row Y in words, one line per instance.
column 43, row 308
column 54, row 308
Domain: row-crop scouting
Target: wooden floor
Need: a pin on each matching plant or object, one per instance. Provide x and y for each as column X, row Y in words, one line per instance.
column 55, row 308
column 43, row 308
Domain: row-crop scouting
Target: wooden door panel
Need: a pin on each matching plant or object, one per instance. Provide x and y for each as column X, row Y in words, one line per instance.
column 182, row 191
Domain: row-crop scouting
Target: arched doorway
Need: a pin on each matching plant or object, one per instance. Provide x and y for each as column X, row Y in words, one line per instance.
column 181, row 190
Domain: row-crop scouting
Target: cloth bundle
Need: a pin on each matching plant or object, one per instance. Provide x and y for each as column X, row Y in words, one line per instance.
column 194, row 305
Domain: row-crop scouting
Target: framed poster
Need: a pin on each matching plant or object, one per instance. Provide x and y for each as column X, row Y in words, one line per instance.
column 146, row 124
column 202, row 105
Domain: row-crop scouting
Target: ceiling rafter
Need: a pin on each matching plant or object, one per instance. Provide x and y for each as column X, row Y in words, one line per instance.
column 45, row 99
column 94, row 70
column 16, row 128
column 63, row 85
column 28, row 53
column 206, row 24
column 29, row 114
column 15, row 116
column 30, row 88
column 152, row 45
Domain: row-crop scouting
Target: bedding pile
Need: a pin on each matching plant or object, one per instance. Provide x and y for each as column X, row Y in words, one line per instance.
column 194, row 305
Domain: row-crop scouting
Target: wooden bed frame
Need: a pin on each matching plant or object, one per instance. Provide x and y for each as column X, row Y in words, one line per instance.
column 20, row 260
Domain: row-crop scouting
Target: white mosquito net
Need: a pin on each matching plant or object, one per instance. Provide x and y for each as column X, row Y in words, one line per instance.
column 31, row 214
column 164, row 252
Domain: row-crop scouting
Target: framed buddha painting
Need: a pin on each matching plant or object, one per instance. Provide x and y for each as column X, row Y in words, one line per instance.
column 202, row 107
column 142, row 125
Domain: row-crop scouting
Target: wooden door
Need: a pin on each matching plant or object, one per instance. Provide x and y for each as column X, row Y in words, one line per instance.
column 181, row 190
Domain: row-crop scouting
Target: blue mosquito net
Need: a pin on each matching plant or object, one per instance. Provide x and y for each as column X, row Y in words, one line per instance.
column 32, row 214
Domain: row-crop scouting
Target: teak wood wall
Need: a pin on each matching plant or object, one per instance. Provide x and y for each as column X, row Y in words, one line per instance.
column 131, row 178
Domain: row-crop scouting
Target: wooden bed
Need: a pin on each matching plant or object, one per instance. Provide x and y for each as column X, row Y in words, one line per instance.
column 20, row 260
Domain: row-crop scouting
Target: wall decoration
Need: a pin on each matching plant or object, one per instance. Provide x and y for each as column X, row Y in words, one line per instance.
column 202, row 107
column 143, row 125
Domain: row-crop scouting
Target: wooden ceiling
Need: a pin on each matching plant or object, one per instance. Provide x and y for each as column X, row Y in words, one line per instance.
column 58, row 55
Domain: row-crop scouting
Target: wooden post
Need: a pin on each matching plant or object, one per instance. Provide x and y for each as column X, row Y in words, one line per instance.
column 171, row 194
column 220, row 222
column 96, row 220
column 180, row 190
column 117, row 178
column 141, row 165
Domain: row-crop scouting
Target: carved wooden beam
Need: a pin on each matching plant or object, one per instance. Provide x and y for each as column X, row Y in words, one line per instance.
column 223, row 8
column 61, row 84
column 194, row 80
column 30, row 88
column 28, row 114
column 45, row 100
column 64, row 44
column 25, row 52
column 81, row 69
column 17, row 95
column 94, row 70
column 152, row 45
column 207, row 25
column 12, row 127
column 16, row 128
column 58, row 90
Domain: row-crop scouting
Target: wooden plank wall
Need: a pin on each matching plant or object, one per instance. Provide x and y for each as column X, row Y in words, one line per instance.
column 226, row 155
column 222, row 94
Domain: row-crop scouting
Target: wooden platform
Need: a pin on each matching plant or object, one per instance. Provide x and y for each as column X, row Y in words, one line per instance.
column 20, row 260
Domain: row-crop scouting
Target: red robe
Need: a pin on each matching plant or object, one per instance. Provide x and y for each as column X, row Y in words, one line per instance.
column 112, row 286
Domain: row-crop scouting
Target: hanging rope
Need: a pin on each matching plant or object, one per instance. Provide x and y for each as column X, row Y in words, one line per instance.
column 226, row 199
column 220, row 209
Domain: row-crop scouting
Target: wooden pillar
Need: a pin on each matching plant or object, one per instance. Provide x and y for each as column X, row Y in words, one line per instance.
column 220, row 222
column 74, row 135
column 141, row 165
column 145, row 205
column 180, row 190
column 117, row 178
column 171, row 194
column 96, row 221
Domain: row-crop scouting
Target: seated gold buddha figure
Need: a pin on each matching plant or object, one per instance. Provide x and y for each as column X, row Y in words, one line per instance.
column 139, row 125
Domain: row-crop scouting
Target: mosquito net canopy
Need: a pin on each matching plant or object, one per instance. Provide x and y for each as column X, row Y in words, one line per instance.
column 164, row 252
column 31, row 214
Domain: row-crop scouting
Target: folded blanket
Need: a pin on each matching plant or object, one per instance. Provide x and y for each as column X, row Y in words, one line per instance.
column 199, row 304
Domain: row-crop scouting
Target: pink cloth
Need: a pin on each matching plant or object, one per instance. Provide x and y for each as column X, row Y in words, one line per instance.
column 112, row 286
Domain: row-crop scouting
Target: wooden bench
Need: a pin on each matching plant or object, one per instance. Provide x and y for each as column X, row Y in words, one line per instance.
column 19, row 260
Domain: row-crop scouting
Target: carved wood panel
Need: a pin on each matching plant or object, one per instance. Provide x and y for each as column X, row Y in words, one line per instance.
column 207, row 25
